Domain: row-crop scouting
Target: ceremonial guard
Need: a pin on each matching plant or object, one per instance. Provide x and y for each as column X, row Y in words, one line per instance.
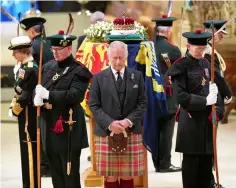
column 196, row 95
column 22, row 107
column 34, row 27
column 166, row 54
column 220, row 65
column 64, row 82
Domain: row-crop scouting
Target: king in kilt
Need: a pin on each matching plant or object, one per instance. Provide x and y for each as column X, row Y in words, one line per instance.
column 118, row 103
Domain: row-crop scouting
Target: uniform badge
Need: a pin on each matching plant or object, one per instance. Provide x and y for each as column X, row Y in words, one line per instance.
column 203, row 81
column 66, row 69
column 22, row 26
column 64, row 42
column 207, row 73
column 30, row 64
column 21, row 73
column 55, row 77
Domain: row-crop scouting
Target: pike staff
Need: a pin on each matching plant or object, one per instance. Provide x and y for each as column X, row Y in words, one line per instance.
column 214, row 122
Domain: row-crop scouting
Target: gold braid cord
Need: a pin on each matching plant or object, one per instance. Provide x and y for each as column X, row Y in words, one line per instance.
column 222, row 62
column 30, row 151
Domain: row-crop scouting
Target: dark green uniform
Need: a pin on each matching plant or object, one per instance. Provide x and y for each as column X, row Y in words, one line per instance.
column 166, row 123
column 65, row 91
column 47, row 53
column 26, row 80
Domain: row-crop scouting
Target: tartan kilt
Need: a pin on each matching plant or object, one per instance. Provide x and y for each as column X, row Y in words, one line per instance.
column 128, row 163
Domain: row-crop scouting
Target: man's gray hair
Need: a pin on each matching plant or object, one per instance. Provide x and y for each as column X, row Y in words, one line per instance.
column 163, row 29
column 37, row 28
column 97, row 17
column 115, row 45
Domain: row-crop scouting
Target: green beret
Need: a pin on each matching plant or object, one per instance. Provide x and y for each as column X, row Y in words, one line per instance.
column 164, row 21
column 61, row 39
column 198, row 37
column 217, row 24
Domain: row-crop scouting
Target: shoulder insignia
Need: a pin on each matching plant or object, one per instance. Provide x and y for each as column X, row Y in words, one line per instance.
column 16, row 109
column 21, row 73
column 170, row 43
column 30, row 64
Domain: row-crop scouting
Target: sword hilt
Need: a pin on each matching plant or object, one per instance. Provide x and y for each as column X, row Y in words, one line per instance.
column 70, row 121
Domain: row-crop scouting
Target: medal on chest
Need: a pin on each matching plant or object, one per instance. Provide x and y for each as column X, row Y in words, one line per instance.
column 203, row 81
column 55, row 77
column 21, row 73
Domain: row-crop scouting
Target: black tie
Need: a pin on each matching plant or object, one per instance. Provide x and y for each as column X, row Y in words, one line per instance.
column 119, row 80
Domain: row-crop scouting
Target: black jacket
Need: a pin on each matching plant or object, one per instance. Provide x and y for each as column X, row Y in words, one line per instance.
column 194, row 135
column 105, row 105
column 65, row 91
column 224, row 88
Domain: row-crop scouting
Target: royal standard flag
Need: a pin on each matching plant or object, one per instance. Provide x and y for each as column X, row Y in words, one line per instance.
column 94, row 57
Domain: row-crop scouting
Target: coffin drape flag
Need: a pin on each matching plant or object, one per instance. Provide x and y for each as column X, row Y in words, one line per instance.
column 156, row 99
column 94, row 57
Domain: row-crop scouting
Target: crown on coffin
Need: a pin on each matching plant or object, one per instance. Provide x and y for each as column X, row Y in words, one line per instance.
column 123, row 23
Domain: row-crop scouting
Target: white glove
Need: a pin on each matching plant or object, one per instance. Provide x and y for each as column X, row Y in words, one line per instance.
column 213, row 89
column 10, row 114
column 38, row 101
column 211, row 99
column 42, row 92
column 227, row 101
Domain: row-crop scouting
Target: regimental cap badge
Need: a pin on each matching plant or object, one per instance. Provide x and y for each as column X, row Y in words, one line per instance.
column 23, row 26
column 64, row 42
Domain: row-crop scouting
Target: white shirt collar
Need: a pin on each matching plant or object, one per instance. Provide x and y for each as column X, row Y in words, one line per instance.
column 122, row 71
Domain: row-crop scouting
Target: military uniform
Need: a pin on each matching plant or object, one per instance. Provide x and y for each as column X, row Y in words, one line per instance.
column 23, row 108
column 47, row 55
column 26, row 24
column 66, row 82
column 220, row 66
column 194, row 134
column 164, row 49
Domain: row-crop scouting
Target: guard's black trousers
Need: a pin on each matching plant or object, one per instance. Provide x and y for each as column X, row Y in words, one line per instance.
column 58, row 168
column 197, row 171
column 166, row 131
